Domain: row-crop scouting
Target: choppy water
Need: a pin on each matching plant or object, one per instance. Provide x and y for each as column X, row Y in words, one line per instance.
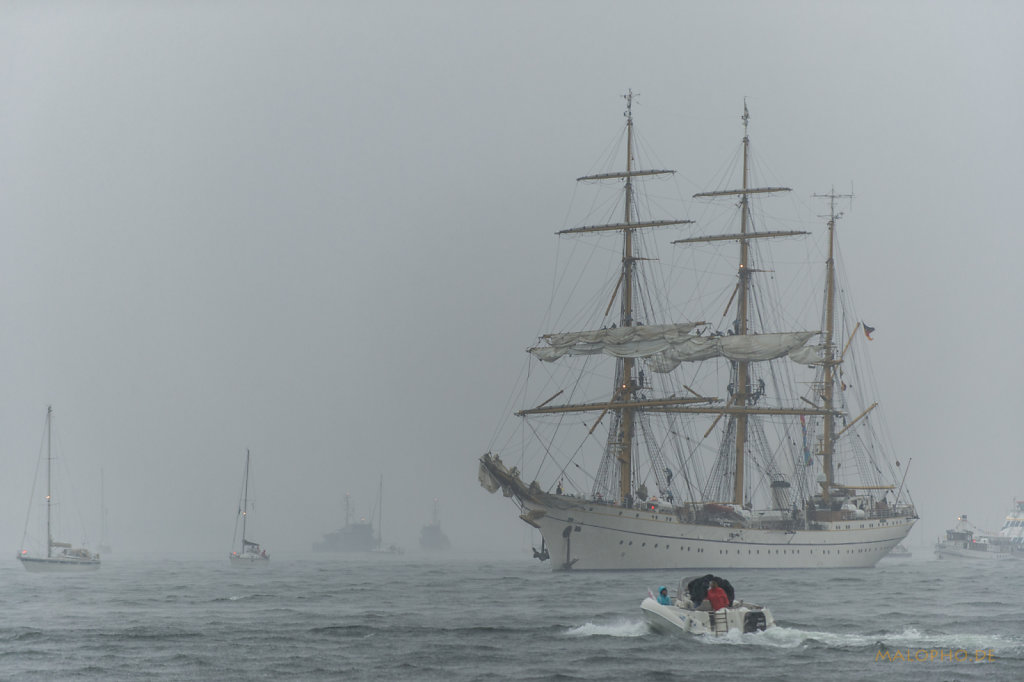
column 459, row 618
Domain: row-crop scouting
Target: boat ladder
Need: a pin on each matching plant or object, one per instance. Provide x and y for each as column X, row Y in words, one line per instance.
column 719, row 622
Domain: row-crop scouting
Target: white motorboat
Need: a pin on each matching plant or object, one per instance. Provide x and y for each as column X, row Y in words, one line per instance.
column 685, row 613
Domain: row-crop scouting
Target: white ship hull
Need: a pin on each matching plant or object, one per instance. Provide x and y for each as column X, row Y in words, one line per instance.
column 614, row 538
column 58, row 565
column 248, row 559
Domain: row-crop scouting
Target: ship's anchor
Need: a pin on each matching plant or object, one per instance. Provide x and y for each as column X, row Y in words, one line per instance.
column 543, row 553
column 568, row 549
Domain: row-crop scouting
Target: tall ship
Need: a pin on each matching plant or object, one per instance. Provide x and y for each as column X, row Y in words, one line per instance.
column 694, row 405
column 59, row 556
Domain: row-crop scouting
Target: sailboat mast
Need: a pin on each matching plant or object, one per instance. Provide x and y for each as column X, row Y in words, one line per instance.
column 625, row 376
column 245, row 498
column 742, row 367
column 49, row 459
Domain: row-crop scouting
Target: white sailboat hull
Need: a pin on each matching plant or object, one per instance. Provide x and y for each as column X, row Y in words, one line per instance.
column 58, row 564
column 248, row 559
column 615, row 538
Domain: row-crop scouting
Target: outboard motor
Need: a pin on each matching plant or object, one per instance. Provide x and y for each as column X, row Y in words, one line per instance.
column 754, row 621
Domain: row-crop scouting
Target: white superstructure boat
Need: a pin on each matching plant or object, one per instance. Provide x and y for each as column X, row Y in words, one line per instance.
column 966, row 541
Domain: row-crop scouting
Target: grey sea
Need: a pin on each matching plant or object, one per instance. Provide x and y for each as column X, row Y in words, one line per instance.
column 415, row 617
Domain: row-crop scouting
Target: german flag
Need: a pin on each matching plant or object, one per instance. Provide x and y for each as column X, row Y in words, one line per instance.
column 868, row 331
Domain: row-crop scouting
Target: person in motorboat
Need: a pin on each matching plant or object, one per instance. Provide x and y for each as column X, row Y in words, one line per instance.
column 704, row 605
column 717, row 596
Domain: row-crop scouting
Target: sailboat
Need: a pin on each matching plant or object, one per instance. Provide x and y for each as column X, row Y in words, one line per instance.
column 431, row 535
column 250, row 553
column 69, row 559
column 659, row 440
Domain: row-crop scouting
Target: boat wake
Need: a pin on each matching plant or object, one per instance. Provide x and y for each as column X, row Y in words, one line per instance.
column 781, row 637
column 619, row 628
column 909, row 639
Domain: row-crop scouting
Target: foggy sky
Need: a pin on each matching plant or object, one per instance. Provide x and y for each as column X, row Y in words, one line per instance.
column 325, row 232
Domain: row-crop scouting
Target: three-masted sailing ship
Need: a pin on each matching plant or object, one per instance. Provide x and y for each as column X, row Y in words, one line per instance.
column 668, row 442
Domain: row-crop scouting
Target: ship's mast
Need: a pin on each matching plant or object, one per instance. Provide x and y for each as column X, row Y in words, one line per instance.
column 742, row 367
column 245, row 498
column 49, row 500
column 830, row 360
column 625, row 375
column 623, row 402
column 740, row 407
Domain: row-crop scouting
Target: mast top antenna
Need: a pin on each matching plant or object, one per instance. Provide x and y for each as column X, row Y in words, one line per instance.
column 832, row 196
column 628, row 113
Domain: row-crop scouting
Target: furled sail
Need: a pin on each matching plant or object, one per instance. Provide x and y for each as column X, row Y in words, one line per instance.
column 641, row 341
column 745, row 348
column 809, row 355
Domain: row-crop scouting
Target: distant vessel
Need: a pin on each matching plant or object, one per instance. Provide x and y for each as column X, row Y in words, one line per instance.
column 728, row 444
column 250, row 553
column 69, row 559
column 898, row 552
column 965, row 541
column 390, row 548
column 104, row 545
column 354, row 536
column 432, row 537
column 1013, row 526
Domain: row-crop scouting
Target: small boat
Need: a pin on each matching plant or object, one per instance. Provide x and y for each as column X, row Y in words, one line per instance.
column 898, row 552
column 685, row 613
column 966, row 541
column 69, row 559
column 250, row 553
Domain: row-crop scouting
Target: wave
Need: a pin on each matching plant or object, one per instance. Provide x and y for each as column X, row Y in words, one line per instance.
column 619, row 628
column 910, row 638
